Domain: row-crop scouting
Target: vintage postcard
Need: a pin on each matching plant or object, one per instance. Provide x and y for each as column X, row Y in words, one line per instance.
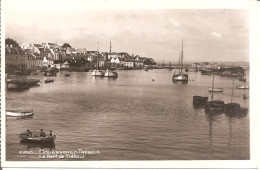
column 129, row 84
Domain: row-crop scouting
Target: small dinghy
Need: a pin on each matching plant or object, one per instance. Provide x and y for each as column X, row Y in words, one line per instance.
column 242, row 87
column 19, row 113
column 215, row 89
column 67, row 74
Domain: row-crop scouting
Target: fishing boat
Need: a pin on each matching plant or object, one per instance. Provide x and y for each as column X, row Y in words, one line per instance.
column 242, row 79
column 19, row 113
column 214, row 106
column 36, row 138
column 146, row 69
column 21, row 83
column 234, row 108
column 181, row 76
column 97, row 71
column 242, row 87
column 50, row 73
column 67, row 74
column 199, row 100
column 215, row 89
column 206, row 72
column 111, row 73
column 15, row 86
column 49, row 80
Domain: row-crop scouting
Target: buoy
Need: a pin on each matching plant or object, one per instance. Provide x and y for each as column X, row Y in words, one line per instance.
column 152, row 79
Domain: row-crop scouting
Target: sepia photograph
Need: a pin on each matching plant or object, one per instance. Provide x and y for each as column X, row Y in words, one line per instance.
column 113, row 81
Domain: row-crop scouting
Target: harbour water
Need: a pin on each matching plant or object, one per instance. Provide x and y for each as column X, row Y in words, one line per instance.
column 130, row 117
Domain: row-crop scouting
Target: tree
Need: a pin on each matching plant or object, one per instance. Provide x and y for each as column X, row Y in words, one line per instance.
column 9, row 41
column 66, row 45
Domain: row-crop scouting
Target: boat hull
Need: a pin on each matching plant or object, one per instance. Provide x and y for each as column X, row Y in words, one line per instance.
column 37, row 139
column 180, row 77
column 97, row 73
column 214, row 106
column 215, row 90
column 243, row 87
column 111, row 74
column 234, row 109
column 199, row 100
column 19, row 113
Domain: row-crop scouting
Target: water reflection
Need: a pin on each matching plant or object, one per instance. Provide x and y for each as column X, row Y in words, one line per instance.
column 18, row 118
column 97, row 77
column 240, row 114
column 180, row 82
column 211, row 117
column 29, row 145
column 111, row 78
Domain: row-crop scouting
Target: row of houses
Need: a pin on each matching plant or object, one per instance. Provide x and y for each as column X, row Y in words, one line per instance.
column 54, row 55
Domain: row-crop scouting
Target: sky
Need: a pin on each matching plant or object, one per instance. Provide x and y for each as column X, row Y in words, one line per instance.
column 208, row 34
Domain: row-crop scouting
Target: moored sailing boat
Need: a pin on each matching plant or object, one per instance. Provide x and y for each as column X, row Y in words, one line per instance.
column 216, row 106
column 234, row 108
column 97, row 71
column 181, row 76
column 109, row 72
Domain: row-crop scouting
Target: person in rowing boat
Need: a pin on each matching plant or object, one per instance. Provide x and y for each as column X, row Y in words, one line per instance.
column 42, row 133
column 28, row 132
column 50, row 133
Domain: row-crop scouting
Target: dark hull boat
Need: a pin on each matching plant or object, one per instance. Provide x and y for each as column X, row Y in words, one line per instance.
column 234, row 109
column 242, row 79
column 49, row 80
column 199, row 100
column 37, row 139
column 216, row 106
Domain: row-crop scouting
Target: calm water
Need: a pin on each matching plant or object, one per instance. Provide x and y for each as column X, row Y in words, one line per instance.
column 130, row 118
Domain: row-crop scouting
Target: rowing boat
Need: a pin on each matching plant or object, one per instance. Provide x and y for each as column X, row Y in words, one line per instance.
column 19, row 113
column 242, row 87
column 38, row 139
column 215, row 89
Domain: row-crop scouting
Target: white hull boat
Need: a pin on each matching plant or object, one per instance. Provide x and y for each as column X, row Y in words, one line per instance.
column 97, row 73
column 243, row 87
column 110, row 73
column 19, row 113
column 215, row 89
column 180, row 77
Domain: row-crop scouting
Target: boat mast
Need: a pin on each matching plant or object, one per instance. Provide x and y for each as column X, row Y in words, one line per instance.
column 110, row 50
column 212, row 89
column 98, row 56
column 179, row 63
column 182, row 57
column 232, row 92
